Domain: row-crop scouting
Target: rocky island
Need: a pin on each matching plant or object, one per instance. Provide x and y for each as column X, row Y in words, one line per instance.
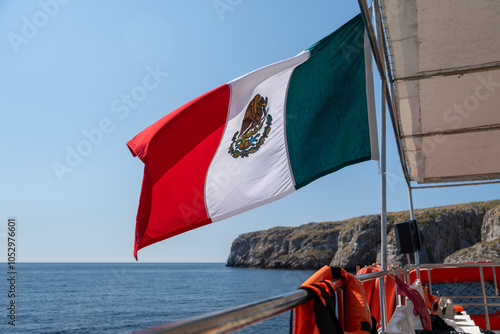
column 449, row 234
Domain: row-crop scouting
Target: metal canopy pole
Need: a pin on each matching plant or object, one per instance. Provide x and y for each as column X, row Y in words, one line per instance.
column 412, row 217
column 383, row 155
column 383, row 216
column 383, row 179
column 410, row 198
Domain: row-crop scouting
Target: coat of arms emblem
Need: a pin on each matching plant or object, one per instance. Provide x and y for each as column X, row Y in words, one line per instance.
column 255, row 128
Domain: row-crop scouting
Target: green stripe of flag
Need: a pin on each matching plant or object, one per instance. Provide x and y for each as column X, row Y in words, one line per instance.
column 326, row 109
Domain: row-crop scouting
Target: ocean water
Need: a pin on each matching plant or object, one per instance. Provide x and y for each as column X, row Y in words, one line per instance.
column 125, row 297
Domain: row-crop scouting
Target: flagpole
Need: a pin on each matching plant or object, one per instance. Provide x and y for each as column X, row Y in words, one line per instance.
column 376, row 47
column 383, row 179
column 383, row 216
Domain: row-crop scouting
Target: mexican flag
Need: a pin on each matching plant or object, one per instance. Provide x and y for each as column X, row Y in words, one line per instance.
column 258, row 138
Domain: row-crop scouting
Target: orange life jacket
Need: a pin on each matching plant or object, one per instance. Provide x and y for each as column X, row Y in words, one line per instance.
column 318, row 315
column 373, row 296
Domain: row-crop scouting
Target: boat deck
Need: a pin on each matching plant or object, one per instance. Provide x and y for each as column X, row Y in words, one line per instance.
column 467, row 324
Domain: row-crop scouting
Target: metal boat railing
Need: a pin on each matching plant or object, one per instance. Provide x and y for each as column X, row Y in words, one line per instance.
column 235, row 318
column 485, row 303
column 232, row 319
column 245, row 315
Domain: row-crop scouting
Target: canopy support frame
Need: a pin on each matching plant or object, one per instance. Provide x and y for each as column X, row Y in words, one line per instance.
column 478, row 183
column 389, row 93
column 451, row 72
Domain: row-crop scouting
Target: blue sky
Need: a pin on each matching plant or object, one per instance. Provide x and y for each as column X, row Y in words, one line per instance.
column 81, row 78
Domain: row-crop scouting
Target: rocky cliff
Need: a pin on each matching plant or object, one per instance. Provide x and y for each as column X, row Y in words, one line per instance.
column 465, row 232
column 488, row 248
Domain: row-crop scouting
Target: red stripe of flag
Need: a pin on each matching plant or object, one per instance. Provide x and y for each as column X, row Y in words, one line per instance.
column 177, row 151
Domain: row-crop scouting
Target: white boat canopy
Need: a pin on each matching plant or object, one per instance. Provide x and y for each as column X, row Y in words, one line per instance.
column 445, row 65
